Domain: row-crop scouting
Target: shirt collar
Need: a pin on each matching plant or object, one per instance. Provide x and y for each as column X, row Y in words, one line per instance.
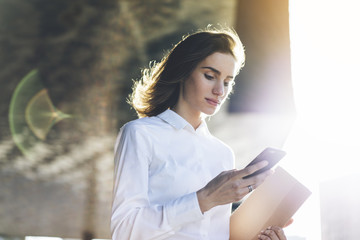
column 178, row 122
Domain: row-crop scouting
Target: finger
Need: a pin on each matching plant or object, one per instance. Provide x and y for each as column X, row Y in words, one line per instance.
column 291, row 220
column 251, row 169
column 263, row 237
column 242, row 187
column 268, row 234
column 278, row 231
column 226, row 175
column 257, row 180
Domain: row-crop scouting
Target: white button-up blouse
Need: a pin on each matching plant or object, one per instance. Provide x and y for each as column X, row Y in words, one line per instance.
column 160, row 163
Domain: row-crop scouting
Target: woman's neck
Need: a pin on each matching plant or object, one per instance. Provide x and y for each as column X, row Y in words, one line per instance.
column 194, row 119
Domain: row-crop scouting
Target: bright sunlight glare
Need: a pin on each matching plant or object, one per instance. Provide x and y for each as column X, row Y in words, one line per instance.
column 323, row 145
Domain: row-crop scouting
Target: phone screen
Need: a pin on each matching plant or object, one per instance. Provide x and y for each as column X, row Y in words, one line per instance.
column 271, row 155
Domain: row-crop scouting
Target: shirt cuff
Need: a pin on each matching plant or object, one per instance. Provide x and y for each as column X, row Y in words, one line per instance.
column 184, row 210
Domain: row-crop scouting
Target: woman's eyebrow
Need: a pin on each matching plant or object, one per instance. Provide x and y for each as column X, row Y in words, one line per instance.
column 216, row 71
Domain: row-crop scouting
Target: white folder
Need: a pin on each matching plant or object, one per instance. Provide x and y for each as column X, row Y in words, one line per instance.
column 273, row 203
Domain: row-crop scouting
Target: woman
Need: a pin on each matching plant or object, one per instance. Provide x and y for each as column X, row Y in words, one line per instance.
column 173, row 179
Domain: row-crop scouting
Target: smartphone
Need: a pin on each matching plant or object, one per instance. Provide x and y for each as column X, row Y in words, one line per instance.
column 271, row 155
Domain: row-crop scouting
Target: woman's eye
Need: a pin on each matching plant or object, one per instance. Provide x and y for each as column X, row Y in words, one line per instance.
column 209, row 77
column 227, row 84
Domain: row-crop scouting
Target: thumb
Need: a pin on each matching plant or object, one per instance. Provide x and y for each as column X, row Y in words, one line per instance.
column 291, row 220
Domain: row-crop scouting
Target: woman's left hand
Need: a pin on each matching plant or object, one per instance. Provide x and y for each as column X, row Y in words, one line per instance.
column 272, row 233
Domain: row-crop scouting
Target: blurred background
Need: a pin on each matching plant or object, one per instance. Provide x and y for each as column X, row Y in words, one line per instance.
column 67, row 69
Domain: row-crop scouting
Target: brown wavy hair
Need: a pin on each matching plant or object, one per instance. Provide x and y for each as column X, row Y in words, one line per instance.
column 159, row 87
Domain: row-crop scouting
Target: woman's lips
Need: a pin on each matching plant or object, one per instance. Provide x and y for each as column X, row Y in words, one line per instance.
column 212, row 102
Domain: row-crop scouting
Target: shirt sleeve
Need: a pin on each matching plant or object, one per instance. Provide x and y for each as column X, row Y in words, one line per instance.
column 133, row 216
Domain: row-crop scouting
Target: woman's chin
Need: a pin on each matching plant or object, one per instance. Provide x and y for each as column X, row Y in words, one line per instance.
column 211, row 112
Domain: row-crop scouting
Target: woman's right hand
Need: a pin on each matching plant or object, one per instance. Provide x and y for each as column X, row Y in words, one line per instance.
column 229, row 186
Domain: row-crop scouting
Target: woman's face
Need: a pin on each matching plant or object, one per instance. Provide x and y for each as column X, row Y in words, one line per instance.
column 208, row 86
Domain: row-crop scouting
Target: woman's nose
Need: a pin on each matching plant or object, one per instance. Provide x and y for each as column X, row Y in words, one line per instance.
column 218, row 89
